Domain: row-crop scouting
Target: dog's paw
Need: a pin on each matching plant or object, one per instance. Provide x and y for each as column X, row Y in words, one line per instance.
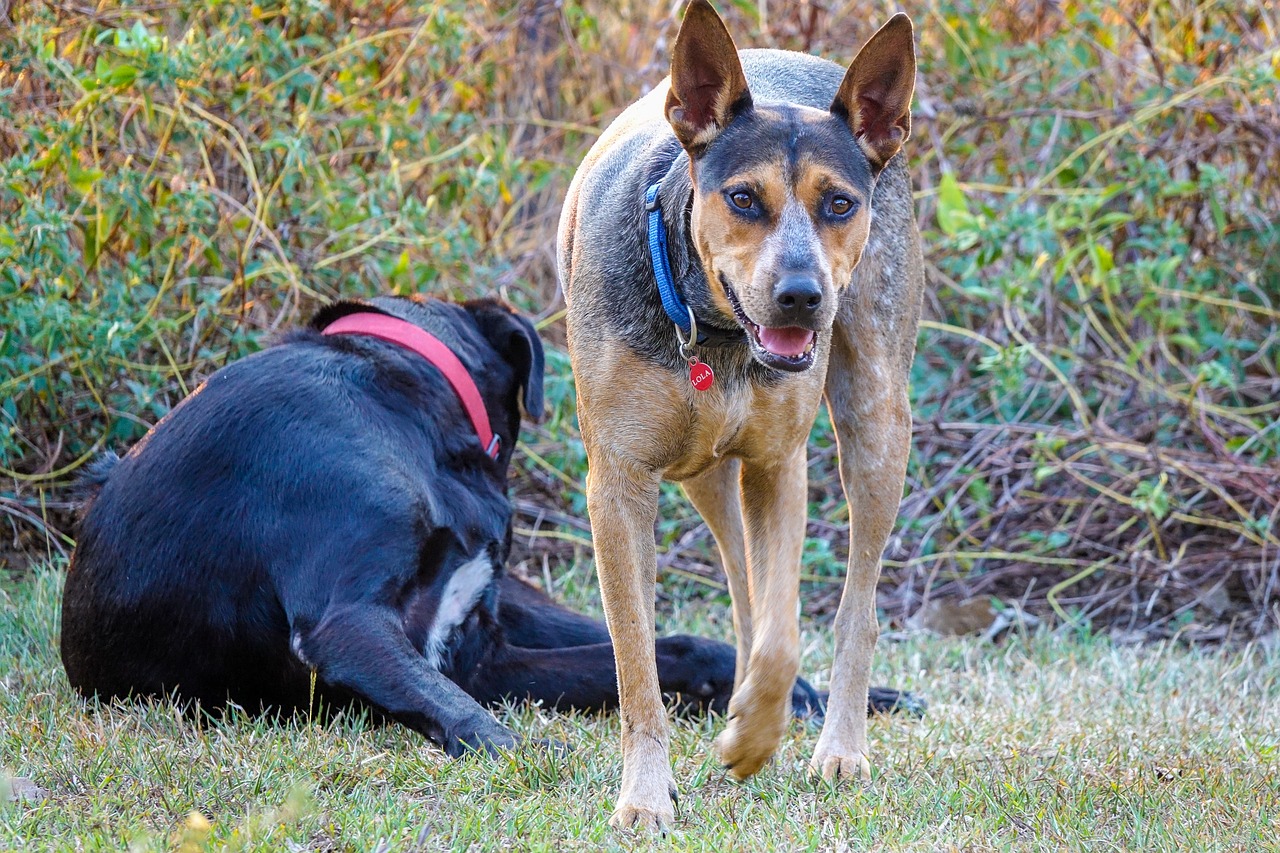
column 744, row 748
column 834, row 767
column 486, row 738
column 647, row 813
column 886, row 700
column 641, row 818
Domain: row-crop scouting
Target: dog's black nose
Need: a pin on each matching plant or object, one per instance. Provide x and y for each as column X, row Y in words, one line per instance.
column 798, row 296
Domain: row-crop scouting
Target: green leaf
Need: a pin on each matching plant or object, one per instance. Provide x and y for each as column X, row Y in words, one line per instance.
column 82, row 179
column 1152, row 497
column 953, row 209
column 122, row 76
column 1044, row 472
column 402, row 265
column 1103, row 263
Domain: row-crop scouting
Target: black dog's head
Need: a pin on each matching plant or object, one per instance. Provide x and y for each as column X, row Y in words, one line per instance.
column 516, row 342
column 499, row 348
column 782, row 191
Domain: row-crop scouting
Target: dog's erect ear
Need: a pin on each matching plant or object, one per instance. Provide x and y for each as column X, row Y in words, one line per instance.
column 516, row 340
column 875, row 95
column 708, row 87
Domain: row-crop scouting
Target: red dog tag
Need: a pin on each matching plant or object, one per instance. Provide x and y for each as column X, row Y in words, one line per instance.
column 701, row 377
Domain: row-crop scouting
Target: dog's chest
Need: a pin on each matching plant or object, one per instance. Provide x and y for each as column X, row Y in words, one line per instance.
column 714, row 433
column 655, row 420
column 724, row 427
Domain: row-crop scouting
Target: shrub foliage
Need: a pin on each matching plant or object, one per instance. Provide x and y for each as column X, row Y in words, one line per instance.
column 1098, row 382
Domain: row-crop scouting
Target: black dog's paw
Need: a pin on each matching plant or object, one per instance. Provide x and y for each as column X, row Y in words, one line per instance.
column 886, row 700
column 810, row 704
column 696, row 674
column 490, row 739
column 806, row 703
column 501, row 742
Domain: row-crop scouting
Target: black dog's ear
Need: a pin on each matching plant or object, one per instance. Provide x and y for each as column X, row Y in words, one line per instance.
column 516, row 340
column 708, row 87
column 875, row 96
column 337, row 310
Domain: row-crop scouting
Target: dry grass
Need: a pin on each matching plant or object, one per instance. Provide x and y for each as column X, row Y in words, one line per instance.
column 1040, row 743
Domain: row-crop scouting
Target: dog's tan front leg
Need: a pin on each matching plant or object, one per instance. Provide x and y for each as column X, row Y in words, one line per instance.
column 872, row 418
column 717, row 498
column 773, row 507
column 623, row 505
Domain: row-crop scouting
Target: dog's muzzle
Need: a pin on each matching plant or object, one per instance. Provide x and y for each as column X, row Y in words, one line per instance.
column 789, row 348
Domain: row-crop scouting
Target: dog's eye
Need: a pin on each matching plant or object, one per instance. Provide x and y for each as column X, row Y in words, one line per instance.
column 841, row 206
column 741, row 200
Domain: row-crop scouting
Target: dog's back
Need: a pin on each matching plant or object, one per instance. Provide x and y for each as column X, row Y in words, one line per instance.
column 186, row 532
column 316, row 469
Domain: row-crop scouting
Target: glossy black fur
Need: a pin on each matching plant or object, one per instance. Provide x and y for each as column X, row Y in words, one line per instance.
column 305, row 508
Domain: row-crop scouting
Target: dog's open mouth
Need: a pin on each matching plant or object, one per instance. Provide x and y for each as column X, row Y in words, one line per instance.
column 784, row 348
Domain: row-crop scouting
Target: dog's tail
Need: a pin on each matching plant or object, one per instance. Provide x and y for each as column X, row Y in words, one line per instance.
column 92, row 479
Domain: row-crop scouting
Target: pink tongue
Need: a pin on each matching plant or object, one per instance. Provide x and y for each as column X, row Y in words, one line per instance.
column 790, row 341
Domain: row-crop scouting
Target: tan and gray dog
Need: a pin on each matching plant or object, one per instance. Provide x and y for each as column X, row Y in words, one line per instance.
column 738, row 244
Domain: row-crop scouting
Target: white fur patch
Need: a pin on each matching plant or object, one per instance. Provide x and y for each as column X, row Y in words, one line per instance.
column 460, row 595
column 295, row 644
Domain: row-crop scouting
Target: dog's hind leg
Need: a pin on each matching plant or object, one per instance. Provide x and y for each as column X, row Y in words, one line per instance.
column 531, row 619
column 773, row 509
column 692, row 671
column 363, row 649
column 698, row 673
column 716, row 495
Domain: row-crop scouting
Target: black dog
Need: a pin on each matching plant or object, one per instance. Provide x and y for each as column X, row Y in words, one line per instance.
column 326, row 507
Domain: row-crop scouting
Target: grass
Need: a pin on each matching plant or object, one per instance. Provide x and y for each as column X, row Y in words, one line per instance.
column 1045, row 742
column 1095, row 392
column 1099, row 368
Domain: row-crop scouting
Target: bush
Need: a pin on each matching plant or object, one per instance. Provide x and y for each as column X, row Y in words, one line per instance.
column 174, row 187
column 1097, row 384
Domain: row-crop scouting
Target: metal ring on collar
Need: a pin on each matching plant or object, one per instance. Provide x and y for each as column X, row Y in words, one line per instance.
column 686, row 346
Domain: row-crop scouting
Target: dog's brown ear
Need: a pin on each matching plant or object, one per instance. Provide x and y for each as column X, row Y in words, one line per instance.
column 875, row 95
column 708, row 87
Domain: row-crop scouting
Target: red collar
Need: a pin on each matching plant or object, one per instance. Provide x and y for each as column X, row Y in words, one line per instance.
column 427, row 345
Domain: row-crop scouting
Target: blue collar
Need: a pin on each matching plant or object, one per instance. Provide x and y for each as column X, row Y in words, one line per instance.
column 672, row 303
column 675, row 307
